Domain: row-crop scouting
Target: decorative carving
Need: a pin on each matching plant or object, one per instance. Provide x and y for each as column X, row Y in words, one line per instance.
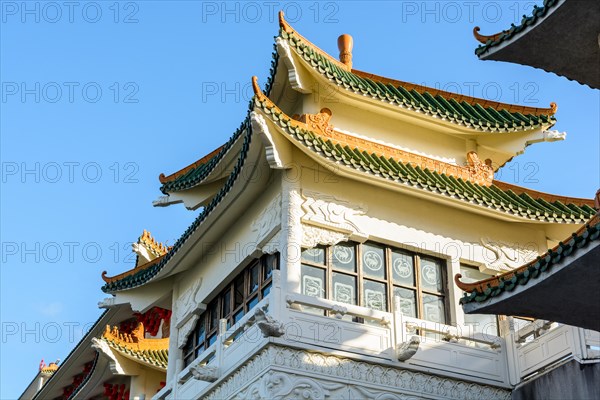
column 331, row 212
column 267, row 324
column 505, row 257
column 314, row 373
column 293, row 75
column 267, row 221
column 259, row 126
column 204, row 372
column 283, row 386
column 486, row 38
column 479, row 172
column 339, row 311
column 188, row 304
column 345, row 44
column 318, row 122
column 313, row 236
column 274, row 244
column 187, row 309
column 554, row 136
column 135, row 341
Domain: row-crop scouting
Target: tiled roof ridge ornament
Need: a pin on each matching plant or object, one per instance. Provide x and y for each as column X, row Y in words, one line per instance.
column 597, row 201
column 480, row 172
column 319, row 121
column 135, row 341
column 50, row 368
column 486, row 38
column 345, row 44
column 156, row 248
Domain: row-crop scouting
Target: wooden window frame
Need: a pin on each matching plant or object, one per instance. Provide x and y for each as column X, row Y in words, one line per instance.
column 360, row 276
column 190, row 353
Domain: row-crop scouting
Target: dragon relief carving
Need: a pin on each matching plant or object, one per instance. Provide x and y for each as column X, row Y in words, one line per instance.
column 283, row 386
column 267, row 221
column 479, row 172
column 408, row 349
column 313, row 236
column 187, row 309
column 318, row 122
column 503, row 257
column 267, row 324
column 331, row 212
column 204, row 372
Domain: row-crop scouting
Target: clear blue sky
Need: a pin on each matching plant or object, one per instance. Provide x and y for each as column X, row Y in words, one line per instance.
column 99, row 98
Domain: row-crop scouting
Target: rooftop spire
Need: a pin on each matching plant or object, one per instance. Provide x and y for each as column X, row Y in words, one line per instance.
column 345, row 44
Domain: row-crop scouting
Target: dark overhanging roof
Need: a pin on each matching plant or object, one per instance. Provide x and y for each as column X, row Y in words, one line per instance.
column 560, row 285
column 561, row 37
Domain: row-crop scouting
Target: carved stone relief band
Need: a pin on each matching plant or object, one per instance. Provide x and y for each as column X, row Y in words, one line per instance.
column 329, row 220
column 293, row 373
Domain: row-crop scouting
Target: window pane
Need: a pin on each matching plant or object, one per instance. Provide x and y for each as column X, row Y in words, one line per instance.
column 213, row 316
column 226, row 304
column 266, row 290
column 253, row 276
column 238, row 315
column 374, row 295
column 344, row 256
column 433, row 308
column 408, row 301
column 270, row 263
column 344, row 288
column 313, row 281
column 200, row 330
column 315, row 255
column 403, row 268
column 212, row 339
column 373, row 261
column 189, row 345
column 253, row 302
column 431, row 274
column 238, row 287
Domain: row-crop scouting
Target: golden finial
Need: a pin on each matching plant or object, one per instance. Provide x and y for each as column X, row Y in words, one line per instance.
column 554, row 107
column 345, row 44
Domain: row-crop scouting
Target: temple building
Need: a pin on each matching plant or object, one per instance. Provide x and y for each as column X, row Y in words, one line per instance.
column 321, row 262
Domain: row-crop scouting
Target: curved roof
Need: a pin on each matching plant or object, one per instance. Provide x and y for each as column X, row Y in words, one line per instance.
column 561, row 36
column 140, row 275
column 560, row 285
column 474, row 113
column 477, row 114
column 375, row 163
column 151, row 352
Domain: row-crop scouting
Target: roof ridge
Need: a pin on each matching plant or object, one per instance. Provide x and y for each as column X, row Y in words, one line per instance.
column 549, row 197
column 496, row 105
column 201, row 161
column 489, row 41
column 421, row 89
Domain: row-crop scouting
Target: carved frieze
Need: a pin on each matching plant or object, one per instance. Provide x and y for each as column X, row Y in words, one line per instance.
column 187, row 309
column 313, row 236
column 264, row 225
column 322, row 376
column 330, row 212
column 500, row 256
